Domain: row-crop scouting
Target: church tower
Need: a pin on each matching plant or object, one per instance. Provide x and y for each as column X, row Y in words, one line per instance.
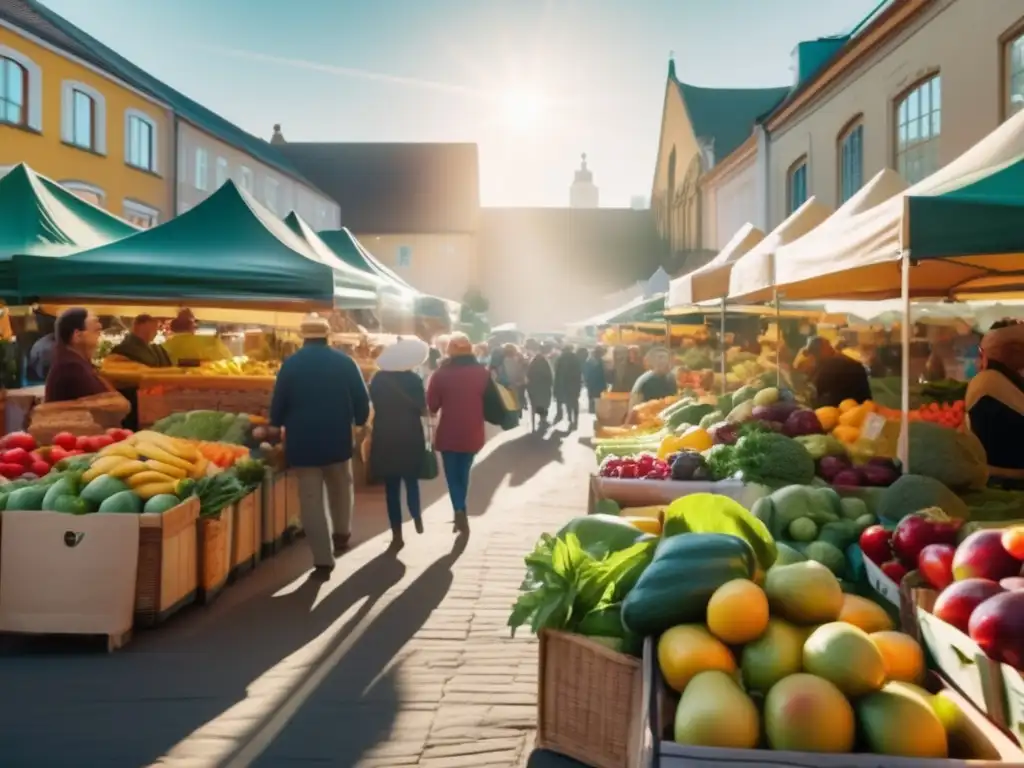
column 583, row 192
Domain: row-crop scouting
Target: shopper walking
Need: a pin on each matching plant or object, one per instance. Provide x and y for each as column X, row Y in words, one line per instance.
column 318, row 397
column 398, row 450
column 569, row 384
column 457, row 391
column 594, row 376
column 540, row 379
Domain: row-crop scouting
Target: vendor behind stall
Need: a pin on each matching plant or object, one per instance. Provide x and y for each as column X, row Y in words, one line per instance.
column 836, row 376
column 659, row 381
column 72, row 374
column 994, row 403
column 138, row 345
column 186, row 344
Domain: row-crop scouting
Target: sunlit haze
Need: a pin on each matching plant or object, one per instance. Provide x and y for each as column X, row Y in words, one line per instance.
column 533, row 82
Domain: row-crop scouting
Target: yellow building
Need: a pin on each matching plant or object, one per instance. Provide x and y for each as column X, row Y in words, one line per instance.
column 69, row 119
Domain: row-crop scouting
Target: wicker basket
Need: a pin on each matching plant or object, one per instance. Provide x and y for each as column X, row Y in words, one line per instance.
column 167, row 576
column 589, row 701
column 215, row 541
column 247, row 534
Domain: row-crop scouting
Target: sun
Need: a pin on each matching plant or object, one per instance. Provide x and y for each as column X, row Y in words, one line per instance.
column 522, row 109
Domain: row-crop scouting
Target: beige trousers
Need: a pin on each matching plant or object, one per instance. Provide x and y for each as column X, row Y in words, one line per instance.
column 335, row 483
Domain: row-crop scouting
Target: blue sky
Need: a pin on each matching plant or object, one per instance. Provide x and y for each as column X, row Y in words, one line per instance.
column 533, row 82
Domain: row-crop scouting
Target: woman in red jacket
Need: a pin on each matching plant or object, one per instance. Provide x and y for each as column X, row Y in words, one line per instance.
column 457, row 389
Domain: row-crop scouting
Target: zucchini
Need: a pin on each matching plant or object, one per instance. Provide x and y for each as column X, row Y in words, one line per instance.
column 677, row 585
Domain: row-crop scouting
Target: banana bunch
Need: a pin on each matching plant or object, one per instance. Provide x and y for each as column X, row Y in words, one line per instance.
column 149, row 463
column 238, row 366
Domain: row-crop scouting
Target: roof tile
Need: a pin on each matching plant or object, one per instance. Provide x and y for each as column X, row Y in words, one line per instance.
column 726, row 116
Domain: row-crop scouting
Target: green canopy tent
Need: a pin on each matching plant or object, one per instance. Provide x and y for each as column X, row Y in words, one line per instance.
column 38, row 216
column 360, row 288
column 229, row 249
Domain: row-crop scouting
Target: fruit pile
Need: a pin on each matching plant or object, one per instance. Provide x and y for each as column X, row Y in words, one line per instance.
column 798, row 665
column 149, row 463
column 949, row 415
column 923, row 541
column 22, row 458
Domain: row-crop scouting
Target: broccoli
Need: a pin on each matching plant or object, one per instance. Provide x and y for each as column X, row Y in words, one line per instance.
column 774, row 460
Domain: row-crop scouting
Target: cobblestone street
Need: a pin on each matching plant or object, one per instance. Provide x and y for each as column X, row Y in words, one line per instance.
column 398, row 661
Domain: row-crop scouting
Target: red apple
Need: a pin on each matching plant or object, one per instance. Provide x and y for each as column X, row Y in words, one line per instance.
column 1013, row 583
column 916, row 531
column 936, row 564
column 982, row 556
column 957, row 602
column 894, row 570
column 875, row 544
column 997, row 625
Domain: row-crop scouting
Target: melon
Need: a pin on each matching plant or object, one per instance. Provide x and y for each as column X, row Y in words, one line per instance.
column 102, row 488
column 161, row 503
column 126, row 502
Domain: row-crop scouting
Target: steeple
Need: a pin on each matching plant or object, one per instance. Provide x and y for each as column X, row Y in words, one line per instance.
column 278, row 137
column 671, row 65
column 583, row 192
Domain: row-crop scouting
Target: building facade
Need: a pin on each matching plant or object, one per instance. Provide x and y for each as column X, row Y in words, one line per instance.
column 415, row 207
column 77, row 111
column 99, row 136
column 915, row 88
column 700, row 127
column 731, row 196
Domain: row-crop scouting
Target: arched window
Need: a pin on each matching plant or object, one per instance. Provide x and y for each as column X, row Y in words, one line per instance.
column 83, row 117
column 140, row 140
column 796, row 185
column 140, row 214
column 88, row 192
column 851, row 159
column 21, row 83
column 1013, row 72
column 918, row 128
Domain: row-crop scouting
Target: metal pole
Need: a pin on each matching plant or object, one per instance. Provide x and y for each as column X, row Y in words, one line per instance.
column 778, row 342
column 721, row 346
column 903, row 446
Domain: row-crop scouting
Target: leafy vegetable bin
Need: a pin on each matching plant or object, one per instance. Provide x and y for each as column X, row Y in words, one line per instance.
column 590, row 702
column 167, row 576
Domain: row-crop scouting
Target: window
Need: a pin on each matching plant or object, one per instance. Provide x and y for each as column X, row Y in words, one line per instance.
column 13, row 92
column 404, row 255
column 201, row 169
column 851, row 161
column 245, row 178
column 1014, row 74
column 21, row 90
column 83, row 117
column 222, row 171
column 140, row 141
column 140, row 214
column 918, row 127
column 88, row 192
column 270, row 193
column 796, row 184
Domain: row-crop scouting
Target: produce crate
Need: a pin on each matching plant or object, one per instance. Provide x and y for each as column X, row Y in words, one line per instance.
column 246, row 539
column 644, row 493
column 68, row 575
column 612, row 413
column 167, row 577
column 215, row 542
column 958, row 659
column 275, row 512
column 982, row 745
column 589, row 701
column 160, row 396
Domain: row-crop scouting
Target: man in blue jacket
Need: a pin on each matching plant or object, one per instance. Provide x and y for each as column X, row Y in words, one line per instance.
column 318, row 396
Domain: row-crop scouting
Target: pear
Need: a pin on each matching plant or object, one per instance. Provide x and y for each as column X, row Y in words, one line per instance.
column 715, row 712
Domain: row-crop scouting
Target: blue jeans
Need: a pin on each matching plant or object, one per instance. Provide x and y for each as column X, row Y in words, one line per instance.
column 456, row 474
column 393, row 495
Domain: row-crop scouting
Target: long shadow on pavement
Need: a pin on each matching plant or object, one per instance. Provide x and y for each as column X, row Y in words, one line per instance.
column 129, row 708
column 518, row 460
column 355, row 707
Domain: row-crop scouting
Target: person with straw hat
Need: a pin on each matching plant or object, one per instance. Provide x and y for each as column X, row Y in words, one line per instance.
column 457, row 391
column 318, row 397
column 398, row 450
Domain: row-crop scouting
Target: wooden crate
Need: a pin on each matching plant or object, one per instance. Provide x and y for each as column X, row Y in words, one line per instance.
column 168, row 554
column 275, row 512
column 159, row 397
column 246, row 537
column 215, row 539
column 589, row 701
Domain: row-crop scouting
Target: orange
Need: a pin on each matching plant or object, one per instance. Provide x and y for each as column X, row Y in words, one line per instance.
column 738, row 612
column 904, row 659
column 688, row 649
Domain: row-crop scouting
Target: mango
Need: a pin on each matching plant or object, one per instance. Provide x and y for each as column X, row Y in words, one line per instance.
column 864, row 614
column 776, row 654
column 899, row 721
column 715, row 712
column 689, row 649
column 737, row 612
column 904, row 659
column 846, row 657
column 804, row 713
column 804, row 593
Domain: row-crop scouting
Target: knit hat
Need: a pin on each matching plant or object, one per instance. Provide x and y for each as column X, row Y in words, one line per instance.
column 314, row 327
column 459, row 345
column 404, row 355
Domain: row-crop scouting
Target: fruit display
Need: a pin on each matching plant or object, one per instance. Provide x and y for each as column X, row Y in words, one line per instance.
column 22, row 458
column 122, row 368
column 209, row 426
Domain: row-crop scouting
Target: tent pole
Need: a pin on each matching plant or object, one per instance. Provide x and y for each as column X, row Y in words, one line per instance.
column 903, row 446
column 778, row 341
column 721, row 346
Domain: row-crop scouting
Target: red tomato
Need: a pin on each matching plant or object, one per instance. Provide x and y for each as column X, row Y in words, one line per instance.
column 65, row 440
column 100, row 441
column 16, row 456
column 11, row 471
column 39, row 468
column 22, row 440
column 57, row 453
column 118, row 434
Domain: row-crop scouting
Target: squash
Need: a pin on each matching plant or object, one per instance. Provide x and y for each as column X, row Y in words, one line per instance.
column 677, row 585
column 650, row 525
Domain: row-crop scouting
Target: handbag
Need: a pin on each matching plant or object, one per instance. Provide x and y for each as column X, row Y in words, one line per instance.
column 429, row 469
column 496, row 407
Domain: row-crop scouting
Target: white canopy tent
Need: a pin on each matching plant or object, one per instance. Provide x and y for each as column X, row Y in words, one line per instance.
column 711, row 282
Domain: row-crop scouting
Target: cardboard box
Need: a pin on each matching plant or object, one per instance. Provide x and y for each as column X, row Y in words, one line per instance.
column 645, row 493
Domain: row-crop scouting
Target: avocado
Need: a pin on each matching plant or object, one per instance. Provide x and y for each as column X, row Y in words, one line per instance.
column 127, row 502
column 102, row 488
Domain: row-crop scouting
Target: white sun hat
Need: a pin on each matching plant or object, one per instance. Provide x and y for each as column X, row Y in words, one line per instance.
column 404, row 355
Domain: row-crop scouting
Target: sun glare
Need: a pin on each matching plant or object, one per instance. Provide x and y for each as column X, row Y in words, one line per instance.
column 522, row 109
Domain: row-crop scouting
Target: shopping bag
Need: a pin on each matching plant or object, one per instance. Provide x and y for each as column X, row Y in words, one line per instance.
column 497, row 410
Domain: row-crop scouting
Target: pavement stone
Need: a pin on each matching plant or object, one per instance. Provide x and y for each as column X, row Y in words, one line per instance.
column 418, row 667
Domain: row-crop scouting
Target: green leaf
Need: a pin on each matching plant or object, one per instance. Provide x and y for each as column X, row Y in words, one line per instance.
column 712, row 513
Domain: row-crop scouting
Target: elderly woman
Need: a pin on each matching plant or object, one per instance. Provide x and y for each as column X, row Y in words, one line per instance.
column 994, row 403
column 659, row 381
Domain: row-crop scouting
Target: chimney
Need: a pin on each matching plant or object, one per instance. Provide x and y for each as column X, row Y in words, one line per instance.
column 278, row 137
